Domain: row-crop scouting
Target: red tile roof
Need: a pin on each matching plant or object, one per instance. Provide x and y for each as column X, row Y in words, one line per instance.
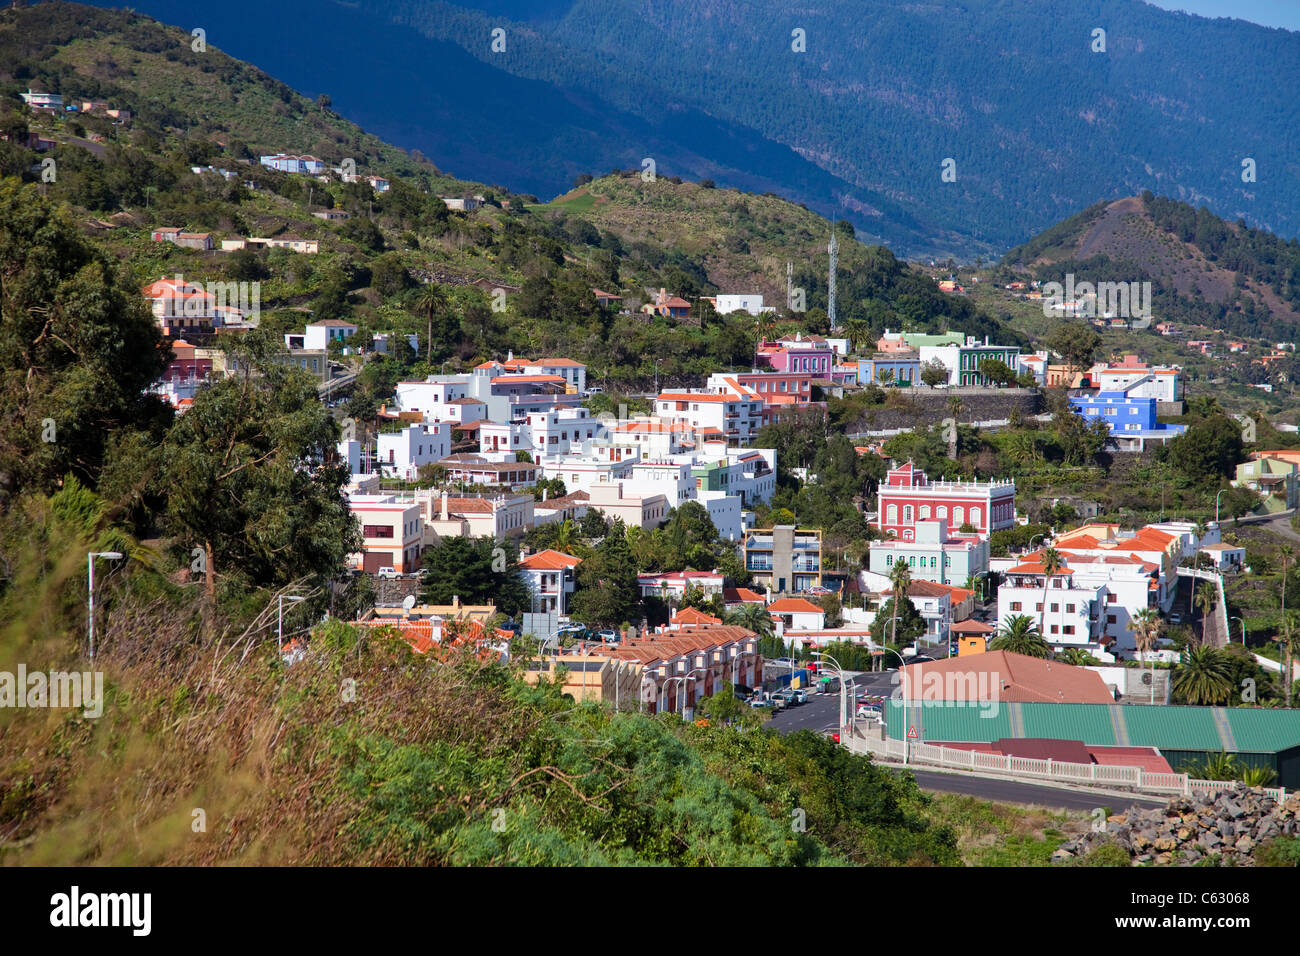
column 794, row 606
column 1003, row 676
column 549, row 560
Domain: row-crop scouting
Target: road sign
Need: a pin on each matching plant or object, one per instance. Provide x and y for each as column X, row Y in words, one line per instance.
column 912, row 734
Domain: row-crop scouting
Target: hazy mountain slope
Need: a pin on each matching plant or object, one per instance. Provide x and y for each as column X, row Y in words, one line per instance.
column 857, row 126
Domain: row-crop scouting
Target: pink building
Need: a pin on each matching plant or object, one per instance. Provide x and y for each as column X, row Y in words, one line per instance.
column 811, row 354
column 907, row 496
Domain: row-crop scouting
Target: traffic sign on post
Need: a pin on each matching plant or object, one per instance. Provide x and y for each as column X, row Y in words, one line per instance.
column 912, row 734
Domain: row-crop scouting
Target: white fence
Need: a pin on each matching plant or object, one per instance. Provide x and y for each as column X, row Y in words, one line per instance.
column 1048, row 769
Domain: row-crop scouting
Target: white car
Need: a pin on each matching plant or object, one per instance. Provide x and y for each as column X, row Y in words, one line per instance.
column 387, row 573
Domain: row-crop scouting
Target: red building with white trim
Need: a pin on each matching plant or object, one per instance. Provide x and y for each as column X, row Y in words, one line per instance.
column 907, row 496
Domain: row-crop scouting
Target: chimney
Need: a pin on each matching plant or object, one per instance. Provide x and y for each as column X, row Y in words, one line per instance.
column 444, row 506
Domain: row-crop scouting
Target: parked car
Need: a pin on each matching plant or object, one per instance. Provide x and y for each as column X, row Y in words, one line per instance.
column 608, row 636
column 760, row 702
column 800, row 696
column 387, row 573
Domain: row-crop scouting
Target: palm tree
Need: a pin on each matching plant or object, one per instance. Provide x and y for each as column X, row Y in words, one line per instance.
column 1020, row 635
column 1288, row 632
column 1204, row 676
column 565, row 535
column 859, row 330
column 955, row 405
column 1052, row 562
column 1146, row 625
column 1206, row 598
column 430, row 300
column 900, row 578
column 752, row 617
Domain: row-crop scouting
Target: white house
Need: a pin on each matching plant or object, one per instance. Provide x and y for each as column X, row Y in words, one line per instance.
column 750, row 302
column 551, row 578
column 401, row 454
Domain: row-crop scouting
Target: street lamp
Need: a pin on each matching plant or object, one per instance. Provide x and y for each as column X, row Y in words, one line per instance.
column 90, row 565
column 1216, row 505
column 279, row 618
column 1032, row 540
column 686, row 677
column 1243, row 630
column 843, row 686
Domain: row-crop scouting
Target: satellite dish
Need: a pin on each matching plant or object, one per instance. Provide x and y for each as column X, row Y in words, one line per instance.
column 408, row 602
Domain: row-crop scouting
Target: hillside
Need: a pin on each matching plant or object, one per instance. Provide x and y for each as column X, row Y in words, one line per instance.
column 1203, row 269
column 856, row 126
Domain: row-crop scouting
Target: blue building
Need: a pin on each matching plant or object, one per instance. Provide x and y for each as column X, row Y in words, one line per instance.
column 890, row 368
column 1131, row 420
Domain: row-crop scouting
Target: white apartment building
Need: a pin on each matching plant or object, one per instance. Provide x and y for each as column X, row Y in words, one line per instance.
column 725, row 513
column 551, row 433
column 1072, row 607
column 670, row 479
column 1139, row 380
column 401, row 454
column 737, row 418
column 658, row 439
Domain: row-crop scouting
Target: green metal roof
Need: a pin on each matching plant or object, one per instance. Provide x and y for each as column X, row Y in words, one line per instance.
column 1243, row 729
column 1264, row 731
column 937, row 720
column 1090, row 723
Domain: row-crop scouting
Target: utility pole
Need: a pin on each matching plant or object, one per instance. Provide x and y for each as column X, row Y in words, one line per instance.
column 834, row 250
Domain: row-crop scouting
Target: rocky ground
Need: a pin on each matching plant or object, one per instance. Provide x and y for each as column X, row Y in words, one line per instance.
column 1229, row 824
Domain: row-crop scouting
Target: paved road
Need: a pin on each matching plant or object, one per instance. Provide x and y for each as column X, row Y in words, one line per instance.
column 1279, row 523
column 1012, row 791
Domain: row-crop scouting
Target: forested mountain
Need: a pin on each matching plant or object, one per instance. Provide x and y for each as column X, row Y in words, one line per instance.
column 618, row 233
column 857, row 126
column 1203, row 269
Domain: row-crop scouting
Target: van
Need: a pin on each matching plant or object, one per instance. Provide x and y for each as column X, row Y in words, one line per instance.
column 387, row 573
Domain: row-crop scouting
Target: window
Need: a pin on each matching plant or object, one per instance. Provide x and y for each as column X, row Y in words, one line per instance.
column 907, row 514
column 1015, row 605
column 1111, row 598
column 889, row 560
column 925, row 512
column 1069, row 609
column 1110, row 618
column 959, row 516
column 1056, row 629
column 377, row 531
column 1068, row 629
column 942, row 512
column 934, row 562
column 891, row 514
column 1056, row 608
column 1039, row 607
column 975, row 516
